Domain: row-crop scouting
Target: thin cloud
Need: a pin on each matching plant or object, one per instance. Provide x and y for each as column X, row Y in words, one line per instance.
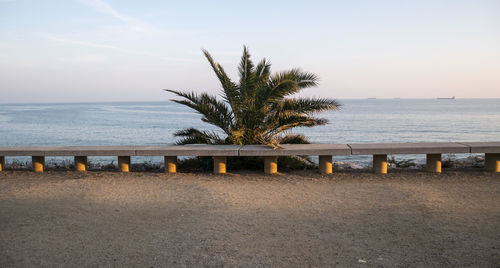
column 118, row 49
column 134, row 25
column 90, row 58
column 105, row 8
column 80, row 43
column 177, row 59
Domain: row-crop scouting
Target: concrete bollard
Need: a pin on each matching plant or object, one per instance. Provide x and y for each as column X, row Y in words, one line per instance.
column 325, row 164
column 220, row 164
column 124, row 163
column 492, row 162
column 2, row 162
column 270, row 164
column 170, row 164
column 433, row 163
column 38, row 163
column 81, row 163
column 380, row 163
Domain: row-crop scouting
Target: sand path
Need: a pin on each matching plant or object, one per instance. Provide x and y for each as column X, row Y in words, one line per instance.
column 407, row 218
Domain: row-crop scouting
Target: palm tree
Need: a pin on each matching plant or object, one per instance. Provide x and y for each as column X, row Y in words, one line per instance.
column 258, row 109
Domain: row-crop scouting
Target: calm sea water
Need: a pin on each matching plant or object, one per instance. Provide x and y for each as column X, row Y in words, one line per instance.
column 153, row 123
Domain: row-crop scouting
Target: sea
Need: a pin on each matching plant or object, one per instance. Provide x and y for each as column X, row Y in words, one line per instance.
column 154, row 123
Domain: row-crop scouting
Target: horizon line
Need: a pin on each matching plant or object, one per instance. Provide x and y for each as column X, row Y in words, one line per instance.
column 157, row 101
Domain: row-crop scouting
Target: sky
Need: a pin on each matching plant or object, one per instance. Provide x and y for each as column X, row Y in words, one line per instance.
column 123, row 50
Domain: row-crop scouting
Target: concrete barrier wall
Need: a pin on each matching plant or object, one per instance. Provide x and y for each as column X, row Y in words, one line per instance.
column 433, row 150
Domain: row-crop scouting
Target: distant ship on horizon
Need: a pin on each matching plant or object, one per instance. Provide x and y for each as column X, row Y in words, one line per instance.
column 452, row 98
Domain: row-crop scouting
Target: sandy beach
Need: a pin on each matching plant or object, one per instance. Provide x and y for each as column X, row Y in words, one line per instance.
column 352, row 218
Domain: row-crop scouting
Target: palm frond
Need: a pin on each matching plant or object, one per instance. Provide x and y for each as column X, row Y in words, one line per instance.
column 287, row 83
column 294, row 139
column 263, row 71
column 231, row 92
column 247, row 75
column 195, row 136
column 286, row 122
column 214, row 112
column 305, row 79
column 281, row 85
column 307, row 105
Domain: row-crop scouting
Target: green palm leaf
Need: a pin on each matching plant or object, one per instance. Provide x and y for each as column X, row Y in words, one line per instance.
column 214, row 112
column 194, row 136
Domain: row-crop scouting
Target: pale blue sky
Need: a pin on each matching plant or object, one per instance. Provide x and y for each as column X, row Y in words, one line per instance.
column 110, row 50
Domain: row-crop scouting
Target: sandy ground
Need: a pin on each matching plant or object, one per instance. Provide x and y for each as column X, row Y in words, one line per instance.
column 406, row 218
